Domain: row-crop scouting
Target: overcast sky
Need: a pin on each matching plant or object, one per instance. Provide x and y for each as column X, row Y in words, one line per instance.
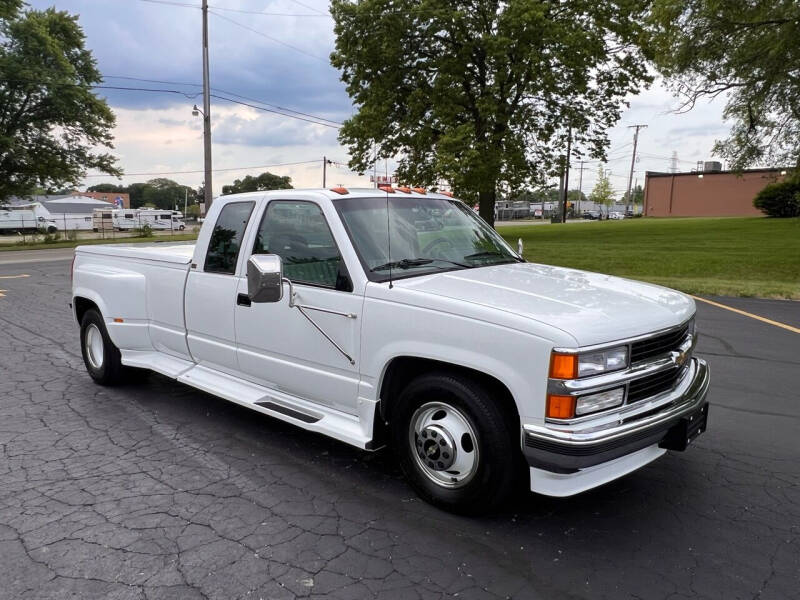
column 282, row 60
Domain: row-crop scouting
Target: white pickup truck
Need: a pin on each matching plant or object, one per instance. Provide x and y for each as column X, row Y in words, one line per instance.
column 399, row 317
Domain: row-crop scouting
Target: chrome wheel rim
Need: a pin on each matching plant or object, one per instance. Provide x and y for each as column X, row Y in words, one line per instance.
column 443, row 444
column 94, row 346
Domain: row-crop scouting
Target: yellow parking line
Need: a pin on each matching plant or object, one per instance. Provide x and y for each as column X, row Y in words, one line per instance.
column 2, row 295
column 747, row 314
column 14, row 276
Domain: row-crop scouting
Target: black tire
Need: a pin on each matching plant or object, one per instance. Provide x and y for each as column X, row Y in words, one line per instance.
column 101, row 357
column 492, row 478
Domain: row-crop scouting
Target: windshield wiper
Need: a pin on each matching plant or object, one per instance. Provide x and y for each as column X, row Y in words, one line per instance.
column 487, row 253
column 408, row 263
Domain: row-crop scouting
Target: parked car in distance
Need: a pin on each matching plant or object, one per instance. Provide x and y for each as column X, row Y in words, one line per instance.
column 403, row 319
column 591, row 215
column 616, row 215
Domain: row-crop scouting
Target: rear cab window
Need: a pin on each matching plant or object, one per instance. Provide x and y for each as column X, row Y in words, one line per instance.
column 226, row 238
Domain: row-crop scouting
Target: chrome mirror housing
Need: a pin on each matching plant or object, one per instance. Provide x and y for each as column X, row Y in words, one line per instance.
column 265, row 278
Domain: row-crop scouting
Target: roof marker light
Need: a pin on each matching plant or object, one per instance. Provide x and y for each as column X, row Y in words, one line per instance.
column 405, row 190
column 419, row 190
column 340, row 190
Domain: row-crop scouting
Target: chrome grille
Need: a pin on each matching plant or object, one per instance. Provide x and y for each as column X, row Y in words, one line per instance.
column 655, row 384
column 660, row 344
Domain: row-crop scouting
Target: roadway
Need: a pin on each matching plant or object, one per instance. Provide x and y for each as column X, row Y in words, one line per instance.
column 155, row 490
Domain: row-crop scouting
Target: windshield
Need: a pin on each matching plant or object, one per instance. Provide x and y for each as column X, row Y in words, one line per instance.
column 426, row 235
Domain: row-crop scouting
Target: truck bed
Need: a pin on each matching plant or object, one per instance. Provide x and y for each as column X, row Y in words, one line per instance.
column 139, row 290
column 176, row 252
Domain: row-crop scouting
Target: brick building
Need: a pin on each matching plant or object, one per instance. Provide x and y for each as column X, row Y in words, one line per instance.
column 706, row 194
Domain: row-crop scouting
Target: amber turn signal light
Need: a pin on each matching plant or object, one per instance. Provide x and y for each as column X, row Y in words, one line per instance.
column 563, row 366
column 560, row 407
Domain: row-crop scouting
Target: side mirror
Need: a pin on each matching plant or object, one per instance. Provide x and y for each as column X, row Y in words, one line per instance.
column 265, row 278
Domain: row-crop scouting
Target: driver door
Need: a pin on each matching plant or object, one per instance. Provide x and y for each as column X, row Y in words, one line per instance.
column 277, row 345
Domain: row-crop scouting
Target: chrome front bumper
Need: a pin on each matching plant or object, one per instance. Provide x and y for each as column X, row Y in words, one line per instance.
column 568, row 447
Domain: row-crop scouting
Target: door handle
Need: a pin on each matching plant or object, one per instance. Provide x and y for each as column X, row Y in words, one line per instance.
column 243, row 300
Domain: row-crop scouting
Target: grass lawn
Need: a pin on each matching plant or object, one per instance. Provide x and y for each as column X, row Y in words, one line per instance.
column 178, row 237
column 724, row 256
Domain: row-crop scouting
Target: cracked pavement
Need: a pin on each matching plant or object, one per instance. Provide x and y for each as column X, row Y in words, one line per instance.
column 156, row 490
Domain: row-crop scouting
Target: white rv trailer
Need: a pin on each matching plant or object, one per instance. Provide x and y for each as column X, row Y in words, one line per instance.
column 13, row 220
column 127, row 219
column 103, row 219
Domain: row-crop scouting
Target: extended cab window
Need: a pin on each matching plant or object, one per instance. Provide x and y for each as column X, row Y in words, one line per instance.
column 298, row 233
column 226, row 239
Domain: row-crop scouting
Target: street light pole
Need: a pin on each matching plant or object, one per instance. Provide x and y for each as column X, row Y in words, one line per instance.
column 206, row 113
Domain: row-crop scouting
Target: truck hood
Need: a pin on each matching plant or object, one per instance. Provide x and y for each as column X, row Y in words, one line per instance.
column 591, row 307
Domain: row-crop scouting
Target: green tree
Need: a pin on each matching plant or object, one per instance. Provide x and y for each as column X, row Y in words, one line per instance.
column 482, row 93
column 637, row 195
column 575, row 196
column 265, row 181
column 136, row 191
column 52, row 127
column 163, row 193
column 747, row 51
column 602, row 193
column 9, row 8
column 780, row 199
column 108, row 188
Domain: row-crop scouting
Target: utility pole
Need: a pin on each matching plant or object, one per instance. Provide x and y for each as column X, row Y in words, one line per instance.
column 580, row 186
column 566, row 176
column 633, row 161
column 324, row 170
column 206, row 113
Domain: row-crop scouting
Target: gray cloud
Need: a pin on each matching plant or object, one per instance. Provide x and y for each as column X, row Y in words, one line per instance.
column 156, row 41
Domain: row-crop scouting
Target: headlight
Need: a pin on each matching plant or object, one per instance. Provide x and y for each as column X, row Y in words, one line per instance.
column 594, row 363
column 600, row 401
column 572, row 366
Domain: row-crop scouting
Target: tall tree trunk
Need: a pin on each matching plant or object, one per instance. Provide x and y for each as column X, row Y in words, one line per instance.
column 486, row 200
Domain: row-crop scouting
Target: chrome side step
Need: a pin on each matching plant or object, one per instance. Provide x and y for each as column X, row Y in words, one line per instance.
column 354, row 429
column 290, row 412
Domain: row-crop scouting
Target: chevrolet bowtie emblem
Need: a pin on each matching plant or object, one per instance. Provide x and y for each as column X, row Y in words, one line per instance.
column 679, row 357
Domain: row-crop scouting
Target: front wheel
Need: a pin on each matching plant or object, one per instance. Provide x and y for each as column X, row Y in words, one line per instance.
column 454, row 443
column 101, row 357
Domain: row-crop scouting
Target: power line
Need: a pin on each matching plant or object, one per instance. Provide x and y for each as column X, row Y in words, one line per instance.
column 275, row 106
column 303, row 162
column 316, row 10
column 138, row 89
column 171, row 3
column 277, row 110
column 240, row 10
column 269, row 110
column 270, row 14
column 269, row 37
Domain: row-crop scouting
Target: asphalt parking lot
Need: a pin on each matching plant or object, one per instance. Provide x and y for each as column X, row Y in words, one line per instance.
column 155, row 490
